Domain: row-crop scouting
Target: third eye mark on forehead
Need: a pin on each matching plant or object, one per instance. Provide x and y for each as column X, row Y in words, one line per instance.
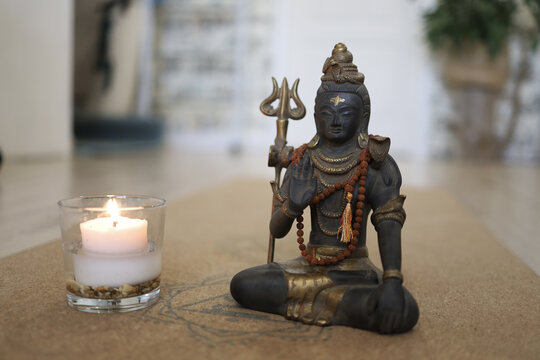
column 336, row 100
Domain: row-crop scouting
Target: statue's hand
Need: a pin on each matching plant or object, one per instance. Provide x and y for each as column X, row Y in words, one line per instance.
column 302, row 186
column 388, row 301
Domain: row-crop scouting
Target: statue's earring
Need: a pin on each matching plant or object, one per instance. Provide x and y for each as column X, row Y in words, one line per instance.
column 363, row 140
column 313, row 142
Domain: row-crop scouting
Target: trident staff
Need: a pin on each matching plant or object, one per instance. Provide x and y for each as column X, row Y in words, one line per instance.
column 279, row 155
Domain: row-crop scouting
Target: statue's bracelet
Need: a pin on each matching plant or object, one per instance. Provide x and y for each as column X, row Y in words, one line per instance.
column 392, row 273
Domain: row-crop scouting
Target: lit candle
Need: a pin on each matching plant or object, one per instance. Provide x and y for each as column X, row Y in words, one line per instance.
column 115, row 251
column 114, row 234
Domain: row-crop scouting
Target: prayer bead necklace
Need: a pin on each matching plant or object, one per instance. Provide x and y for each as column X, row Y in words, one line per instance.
column 360, row 175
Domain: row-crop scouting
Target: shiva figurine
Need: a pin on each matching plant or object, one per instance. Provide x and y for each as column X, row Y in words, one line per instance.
column 343, row 174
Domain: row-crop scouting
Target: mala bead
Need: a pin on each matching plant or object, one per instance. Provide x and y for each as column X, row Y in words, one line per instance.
column 348, row 188
column 351, row 248
column 332, row 189
column 300, row 218
column 346, row 253
column 304, row 252
column 326, row 193
column 364, row 157
column 334, row 260
column 340, row 256
column 358, row 219
column 354, row 241
column 300, row 226
column 359, row 212
column 355, row 233
column 314, row 261
column 302, row 247
column 300, row 240
column 308, row 257
column 300, row 233
column 338, row 186
column 363, row 172
column 298, row 154
column 356, row 226
column 362, row 182
column 361, row 197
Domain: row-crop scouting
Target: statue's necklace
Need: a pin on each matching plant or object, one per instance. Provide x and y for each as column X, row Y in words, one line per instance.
column 333, row 166
column 348, row 233
column 333, row 209
column 338, row 160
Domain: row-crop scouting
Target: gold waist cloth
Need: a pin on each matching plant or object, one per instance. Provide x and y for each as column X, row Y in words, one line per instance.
column 313, row 297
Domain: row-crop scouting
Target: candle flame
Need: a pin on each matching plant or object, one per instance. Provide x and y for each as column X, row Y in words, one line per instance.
column 112, row 208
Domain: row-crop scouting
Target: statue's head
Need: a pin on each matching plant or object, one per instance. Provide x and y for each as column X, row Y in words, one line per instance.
column 342, row 106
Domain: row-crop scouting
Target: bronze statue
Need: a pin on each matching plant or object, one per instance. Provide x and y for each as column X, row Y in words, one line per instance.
column 342, row 174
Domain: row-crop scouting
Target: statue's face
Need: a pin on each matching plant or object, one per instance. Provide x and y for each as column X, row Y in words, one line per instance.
column 337, row 115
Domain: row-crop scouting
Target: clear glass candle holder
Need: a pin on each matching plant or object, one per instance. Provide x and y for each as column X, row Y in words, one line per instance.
column 112, row 251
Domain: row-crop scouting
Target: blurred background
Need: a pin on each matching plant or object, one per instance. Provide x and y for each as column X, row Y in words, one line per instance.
column 446, row 79
column 162, row 97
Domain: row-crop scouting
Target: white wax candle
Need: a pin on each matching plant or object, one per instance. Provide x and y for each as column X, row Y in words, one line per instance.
column 115, row 251
column 114, row 235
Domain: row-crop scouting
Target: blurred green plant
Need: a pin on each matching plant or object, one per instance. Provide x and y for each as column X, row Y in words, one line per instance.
column 459, row 23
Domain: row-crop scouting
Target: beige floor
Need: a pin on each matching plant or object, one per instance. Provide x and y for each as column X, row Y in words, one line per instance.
column 505, row 198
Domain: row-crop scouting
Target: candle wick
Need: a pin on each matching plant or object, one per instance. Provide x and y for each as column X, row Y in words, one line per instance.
column 115, row 223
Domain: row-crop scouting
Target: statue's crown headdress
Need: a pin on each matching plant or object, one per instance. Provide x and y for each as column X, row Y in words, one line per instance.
column 339, row 67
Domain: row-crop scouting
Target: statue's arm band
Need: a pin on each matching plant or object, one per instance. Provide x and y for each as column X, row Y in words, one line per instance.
column 392, row 273
column 392, row 210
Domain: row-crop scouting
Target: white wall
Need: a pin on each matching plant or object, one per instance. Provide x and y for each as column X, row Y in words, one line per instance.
column 35, row 77
column 385, row 38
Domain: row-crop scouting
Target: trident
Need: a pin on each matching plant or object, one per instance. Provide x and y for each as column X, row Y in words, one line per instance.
column 279, row 155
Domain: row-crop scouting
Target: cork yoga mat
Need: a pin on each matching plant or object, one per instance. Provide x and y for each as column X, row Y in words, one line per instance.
column 476, row 299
